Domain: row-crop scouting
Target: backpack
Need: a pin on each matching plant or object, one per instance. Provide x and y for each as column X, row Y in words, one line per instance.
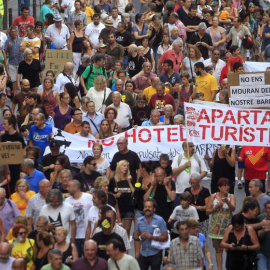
column 91, row 71
column 195, row 157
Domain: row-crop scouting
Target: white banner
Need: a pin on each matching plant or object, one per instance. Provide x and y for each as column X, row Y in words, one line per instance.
column 249, row 102
column 230, row 126
column 256, row 66
column 250, row 91
column 148, row 142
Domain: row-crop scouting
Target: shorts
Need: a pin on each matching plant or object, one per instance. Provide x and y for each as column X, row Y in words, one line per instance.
column 127, row 215
column 13, row 70
column 139, row 213
column 241, row 165
column 216, row 243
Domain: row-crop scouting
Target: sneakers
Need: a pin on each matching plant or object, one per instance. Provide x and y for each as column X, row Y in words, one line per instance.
column 240, row 185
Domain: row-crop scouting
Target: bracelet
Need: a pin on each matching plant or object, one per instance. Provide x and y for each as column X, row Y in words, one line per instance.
column 140, row 238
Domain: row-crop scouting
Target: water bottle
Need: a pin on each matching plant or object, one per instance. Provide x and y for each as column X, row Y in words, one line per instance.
column 52, row 46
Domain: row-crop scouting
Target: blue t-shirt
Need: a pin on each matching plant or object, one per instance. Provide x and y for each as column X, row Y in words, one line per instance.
column 40, row 138
column 34, row 180
column 107, row 8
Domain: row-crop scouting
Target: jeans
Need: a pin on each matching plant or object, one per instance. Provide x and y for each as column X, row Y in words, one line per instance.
column 22, row 3
column 177, row 200
column 155, row 48
column 264, row 262
column 125, row 61
column 79, row 245
column 153, row 261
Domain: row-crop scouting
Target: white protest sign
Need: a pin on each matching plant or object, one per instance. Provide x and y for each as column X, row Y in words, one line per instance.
column 247, row 102
column 227, row 125
column 251, row 79
column 148, row 142
column 250, row 91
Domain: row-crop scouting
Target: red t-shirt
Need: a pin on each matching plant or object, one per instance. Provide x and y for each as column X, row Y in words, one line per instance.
column 22, row 23
column 232, row 61
column 256, row 161
column 158, row 103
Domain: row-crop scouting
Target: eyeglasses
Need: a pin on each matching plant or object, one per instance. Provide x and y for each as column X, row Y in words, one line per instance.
column 22, row 233
column 93, row 164
column 140, row 101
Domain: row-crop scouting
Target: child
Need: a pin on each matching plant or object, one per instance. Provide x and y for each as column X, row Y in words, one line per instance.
column 199, row 96
column 24, row 131
column 164, row 163
column 183, row 211
column 225, row 13
column 235, row 51
column 185, row 93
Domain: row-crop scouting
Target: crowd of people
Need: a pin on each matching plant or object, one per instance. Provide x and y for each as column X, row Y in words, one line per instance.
column 128, row 70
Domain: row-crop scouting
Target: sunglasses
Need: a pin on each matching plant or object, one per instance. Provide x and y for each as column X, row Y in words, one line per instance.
column 93, row 164
column 140, row 101
column 22, row 233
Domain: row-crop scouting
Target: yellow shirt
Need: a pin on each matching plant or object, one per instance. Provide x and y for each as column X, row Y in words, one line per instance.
column 206, row 85
column 32, row 43
column 24, row 251
column 150, row 91
column 21, row 202
column 89, row 14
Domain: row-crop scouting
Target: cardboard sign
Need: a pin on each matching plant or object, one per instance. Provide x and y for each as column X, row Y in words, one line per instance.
column 56, row 59
column 11, row 153
column 249, row 90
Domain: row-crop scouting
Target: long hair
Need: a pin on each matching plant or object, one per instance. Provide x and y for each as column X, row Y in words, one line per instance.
column 117, row 176
column 101, row 134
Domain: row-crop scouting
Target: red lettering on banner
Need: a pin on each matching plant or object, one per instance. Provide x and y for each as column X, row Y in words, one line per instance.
column 204, row 127
column 158, row 130
column 246, row 131
column 132, row 135
column 266, row 117
column 169, row 134
column 215, row 115
column 230, row 131
column 255, row 117
column 203, row 116
column 90, row 142
column 243, row 115
column 149, row 135
column 261, row 132
column 229, row 117
column 221, row 130
column 241, row 134
column 182, row 135
column 108, row 142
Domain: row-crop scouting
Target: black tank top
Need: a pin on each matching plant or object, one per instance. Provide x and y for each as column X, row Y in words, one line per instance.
column 77, row 44
column 40, row 262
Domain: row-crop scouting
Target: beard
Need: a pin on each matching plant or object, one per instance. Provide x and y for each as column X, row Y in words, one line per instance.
column 198, row 73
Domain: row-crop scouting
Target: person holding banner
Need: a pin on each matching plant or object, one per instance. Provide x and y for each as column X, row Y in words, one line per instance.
column 185, row 164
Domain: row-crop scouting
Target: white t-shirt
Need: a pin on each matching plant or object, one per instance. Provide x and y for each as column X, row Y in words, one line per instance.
column 180, row 214
column 81, row 208
column 98, row 97
column 60, row 216
column 93, row 31
column 182, row 180
column 93, row 216
column 123, row 115
column 102, row 168
column 127, row 262
column 61, row 80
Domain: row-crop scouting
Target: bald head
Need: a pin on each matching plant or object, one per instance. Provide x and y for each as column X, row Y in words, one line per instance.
column 68, row 67
column 19, row 264
column 90, row 244
column 2, row 192
column 5, row 249
column 44, row 182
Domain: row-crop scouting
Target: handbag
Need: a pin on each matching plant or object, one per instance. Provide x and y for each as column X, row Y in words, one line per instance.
column 152, row 40
column 160, row 245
